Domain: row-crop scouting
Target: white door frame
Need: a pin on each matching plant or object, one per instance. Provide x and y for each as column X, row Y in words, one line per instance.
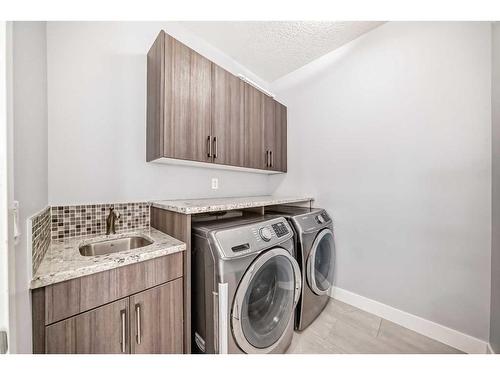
column 7, row 312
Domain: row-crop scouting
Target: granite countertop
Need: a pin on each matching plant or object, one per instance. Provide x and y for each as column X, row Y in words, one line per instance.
column 198, row 206
column 63, row 260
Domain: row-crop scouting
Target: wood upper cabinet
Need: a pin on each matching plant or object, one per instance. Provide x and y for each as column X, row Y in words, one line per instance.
column 192, row 145
column 198, row 111
column 275, row 135
column 100, row 331
column 269, row 131
column 228, row 120
column 156, row 320
column 179, row 97
column 255, row 156
column 279, row 147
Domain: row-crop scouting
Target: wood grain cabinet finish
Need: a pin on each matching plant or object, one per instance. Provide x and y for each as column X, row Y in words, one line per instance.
column 156, row 320
column 87, row 292
column 228, row 121
column 179, row 95
column 150, row 322
column 97, row 313
column 197, row 111
column 179, row 226
column 255, row 100
column 100, row 331
column 269, row 132
column 279, row 147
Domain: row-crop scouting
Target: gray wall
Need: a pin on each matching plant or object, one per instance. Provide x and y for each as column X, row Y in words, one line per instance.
column 495, row 243
column 30, row 155
column 392, row 134
column 97, row 118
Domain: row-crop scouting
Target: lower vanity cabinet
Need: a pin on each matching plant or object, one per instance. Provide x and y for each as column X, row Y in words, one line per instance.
column 99, row 331
column 145, row 323
column 156, row 320
column 138, row 308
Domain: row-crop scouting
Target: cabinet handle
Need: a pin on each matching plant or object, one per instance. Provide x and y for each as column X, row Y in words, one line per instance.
column 267, row 158
column 209, row 147
column 138, row 335
column 271, row 159
column 123, row 316
column 215, row 147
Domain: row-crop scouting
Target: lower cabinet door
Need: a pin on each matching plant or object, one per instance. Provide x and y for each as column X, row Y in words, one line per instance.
column 156, row 320
column 100, row 331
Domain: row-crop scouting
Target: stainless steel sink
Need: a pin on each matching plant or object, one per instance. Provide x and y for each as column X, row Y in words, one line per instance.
column 114, row 246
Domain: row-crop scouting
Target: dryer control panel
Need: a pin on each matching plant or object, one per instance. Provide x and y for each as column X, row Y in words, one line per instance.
column 313, row 221
column 242, row 240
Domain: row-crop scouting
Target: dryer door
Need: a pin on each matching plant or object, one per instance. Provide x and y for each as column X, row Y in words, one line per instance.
column 321, row 263
column 264, row 304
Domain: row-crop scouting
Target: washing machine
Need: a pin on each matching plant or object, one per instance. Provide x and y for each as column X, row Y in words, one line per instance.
column 315, row 253
column 246, row 284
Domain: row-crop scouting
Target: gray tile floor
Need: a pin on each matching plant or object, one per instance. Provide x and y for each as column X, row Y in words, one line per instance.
column 342, row 328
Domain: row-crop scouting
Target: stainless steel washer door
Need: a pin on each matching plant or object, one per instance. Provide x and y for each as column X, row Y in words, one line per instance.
column 265, row 301
column 321, row 263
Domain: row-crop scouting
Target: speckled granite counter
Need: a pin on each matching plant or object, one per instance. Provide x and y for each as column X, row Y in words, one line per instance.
column 198, row 206
column 64, row 262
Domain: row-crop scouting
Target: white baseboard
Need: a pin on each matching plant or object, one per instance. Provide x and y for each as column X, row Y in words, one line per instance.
column 448, row 336
column 490, row 349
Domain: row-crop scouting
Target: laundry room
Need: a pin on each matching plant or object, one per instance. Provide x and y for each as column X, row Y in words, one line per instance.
column 209, row 186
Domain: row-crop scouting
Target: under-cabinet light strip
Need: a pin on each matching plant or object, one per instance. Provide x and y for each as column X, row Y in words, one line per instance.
column 256, row 85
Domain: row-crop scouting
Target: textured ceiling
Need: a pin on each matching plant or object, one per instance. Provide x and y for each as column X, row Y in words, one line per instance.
column 274, row 49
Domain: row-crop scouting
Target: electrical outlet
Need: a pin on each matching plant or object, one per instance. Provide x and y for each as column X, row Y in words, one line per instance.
column 215, row 183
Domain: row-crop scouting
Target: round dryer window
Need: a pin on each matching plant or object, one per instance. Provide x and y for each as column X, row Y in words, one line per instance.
column 265, row 301
column 321, row 263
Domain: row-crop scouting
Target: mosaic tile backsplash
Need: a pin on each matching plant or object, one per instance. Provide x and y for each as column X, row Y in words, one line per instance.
column 74, row 221
column 40, row 236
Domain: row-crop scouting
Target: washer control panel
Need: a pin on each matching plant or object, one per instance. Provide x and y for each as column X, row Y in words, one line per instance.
column 280, row 229
column 241, row 240
column 266, row 234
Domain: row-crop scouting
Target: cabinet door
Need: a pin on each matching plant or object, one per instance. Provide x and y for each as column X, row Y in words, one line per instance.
column 279, row 155
column 156, row 98
column 228, row 121
column 188, row 91
column 100, row 331
column 255, row 156
column 269, row 131
column 156, row 320
column 275, row 135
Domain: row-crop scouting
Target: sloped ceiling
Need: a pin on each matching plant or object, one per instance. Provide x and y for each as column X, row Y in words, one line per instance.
column 274, row 49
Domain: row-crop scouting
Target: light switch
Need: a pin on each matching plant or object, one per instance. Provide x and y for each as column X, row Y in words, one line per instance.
column 215, row 183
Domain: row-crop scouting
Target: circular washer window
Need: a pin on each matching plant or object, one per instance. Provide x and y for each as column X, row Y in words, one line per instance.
column 268, row 303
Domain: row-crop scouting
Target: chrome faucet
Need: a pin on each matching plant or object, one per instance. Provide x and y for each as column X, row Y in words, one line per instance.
column 111, row 220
